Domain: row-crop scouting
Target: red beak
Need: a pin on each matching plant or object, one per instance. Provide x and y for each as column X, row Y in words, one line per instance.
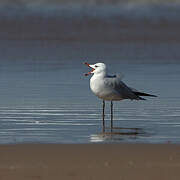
column 90, row 67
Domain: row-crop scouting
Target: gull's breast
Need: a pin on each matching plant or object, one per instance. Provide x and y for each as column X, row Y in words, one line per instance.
column 103, row 91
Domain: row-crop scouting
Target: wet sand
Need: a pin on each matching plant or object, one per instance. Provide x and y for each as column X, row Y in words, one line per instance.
column 92, row 161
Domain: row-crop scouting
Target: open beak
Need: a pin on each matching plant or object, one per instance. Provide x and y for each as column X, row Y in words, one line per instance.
column 89, row 71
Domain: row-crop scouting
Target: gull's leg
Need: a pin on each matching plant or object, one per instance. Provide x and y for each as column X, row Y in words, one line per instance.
column 103, row 116
column 111, row 116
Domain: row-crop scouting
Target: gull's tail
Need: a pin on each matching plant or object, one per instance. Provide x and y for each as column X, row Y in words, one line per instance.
column 143, row 94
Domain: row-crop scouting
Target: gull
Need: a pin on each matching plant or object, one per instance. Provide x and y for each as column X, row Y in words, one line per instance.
column 111, row 88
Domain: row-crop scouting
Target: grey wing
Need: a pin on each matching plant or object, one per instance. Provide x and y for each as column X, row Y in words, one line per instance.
column 121, row 88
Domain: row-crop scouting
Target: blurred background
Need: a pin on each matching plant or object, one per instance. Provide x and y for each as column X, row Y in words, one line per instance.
column 151, row 25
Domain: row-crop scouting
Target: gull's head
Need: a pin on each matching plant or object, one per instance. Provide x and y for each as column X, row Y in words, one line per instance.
column 96, row 68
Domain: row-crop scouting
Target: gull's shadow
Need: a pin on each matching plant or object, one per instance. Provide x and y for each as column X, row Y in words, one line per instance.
column 123, row 131
column 117, row 134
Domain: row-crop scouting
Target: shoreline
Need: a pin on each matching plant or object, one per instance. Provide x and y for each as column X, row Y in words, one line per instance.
column 90, row 161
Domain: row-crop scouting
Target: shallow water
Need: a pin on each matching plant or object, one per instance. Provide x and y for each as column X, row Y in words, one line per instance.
column 49, row 101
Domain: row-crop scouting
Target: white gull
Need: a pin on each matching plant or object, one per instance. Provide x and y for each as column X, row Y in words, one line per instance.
column 111, row 88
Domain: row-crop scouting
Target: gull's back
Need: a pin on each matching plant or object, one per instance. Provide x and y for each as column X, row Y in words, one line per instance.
column 111, row 88
column 119, row 88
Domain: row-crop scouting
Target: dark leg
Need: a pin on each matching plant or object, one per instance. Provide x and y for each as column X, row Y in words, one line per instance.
column 111, row 116
column 103, row 116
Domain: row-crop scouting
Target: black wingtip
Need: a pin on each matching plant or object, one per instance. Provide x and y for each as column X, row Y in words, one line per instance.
column 144, row 94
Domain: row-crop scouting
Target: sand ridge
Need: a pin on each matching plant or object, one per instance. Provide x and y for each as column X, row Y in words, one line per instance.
column 89, row 161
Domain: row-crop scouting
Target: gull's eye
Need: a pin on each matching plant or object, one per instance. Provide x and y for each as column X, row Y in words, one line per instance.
column 96, row 66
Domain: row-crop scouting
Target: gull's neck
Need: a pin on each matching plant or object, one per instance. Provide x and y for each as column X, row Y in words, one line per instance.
column 100, row 75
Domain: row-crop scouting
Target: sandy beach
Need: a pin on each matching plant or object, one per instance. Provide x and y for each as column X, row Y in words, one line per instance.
column 90, row 161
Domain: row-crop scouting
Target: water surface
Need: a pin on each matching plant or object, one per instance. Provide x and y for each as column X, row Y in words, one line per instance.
column 49, row 101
